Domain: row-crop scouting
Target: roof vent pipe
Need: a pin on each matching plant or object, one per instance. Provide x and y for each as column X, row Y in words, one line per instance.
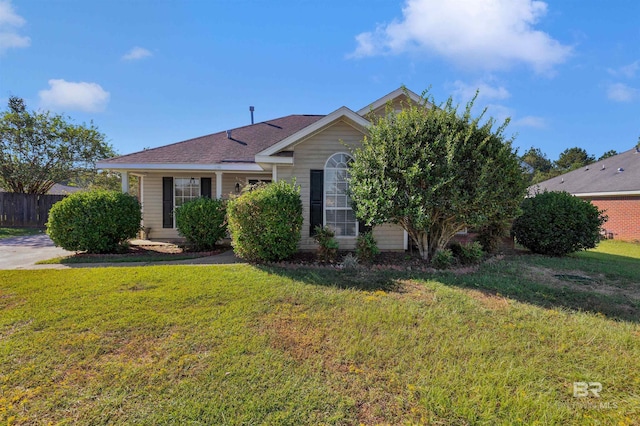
column 251, row 108
column 228, row 134
column 603, row 167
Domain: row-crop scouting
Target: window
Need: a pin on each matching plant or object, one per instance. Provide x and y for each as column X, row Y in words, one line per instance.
column 338, row 214
column 186, row 189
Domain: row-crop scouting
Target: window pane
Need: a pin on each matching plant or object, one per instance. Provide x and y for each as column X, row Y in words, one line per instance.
column 350, row 229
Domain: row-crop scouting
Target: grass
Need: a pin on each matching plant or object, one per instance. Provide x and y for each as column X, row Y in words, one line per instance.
column 240, row 344
column 18, row 232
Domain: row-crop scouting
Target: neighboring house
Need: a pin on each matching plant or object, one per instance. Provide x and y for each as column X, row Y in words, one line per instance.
column 312, row 149
column 613, row 185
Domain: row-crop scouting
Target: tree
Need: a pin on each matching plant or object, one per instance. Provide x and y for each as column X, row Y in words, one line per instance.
column 435, row 173
column 537, row 160
column 608, row 154
column 38, row 149
column 573, row 158
column 541, row 167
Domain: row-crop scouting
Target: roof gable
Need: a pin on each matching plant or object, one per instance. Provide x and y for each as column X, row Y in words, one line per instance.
column 339, row 114
column 390, row 97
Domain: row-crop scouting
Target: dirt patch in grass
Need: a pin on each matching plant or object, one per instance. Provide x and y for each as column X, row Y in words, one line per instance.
column 488, row 300
column 580, row 281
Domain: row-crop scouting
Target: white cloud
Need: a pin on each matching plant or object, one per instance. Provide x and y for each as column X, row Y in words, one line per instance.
column 531, row 121
column 628, row 71
column 499, row 112
column 81, row 96
column 10, row 21
column 620, row 92
column 137, row 53
column 465, row 92
column 488, row 34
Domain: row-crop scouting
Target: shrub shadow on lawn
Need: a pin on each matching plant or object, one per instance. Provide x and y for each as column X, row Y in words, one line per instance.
column 602, row 286
column 556, row 283
column 360, row 279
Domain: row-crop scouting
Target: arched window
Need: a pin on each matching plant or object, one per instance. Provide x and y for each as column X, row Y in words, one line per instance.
column 338, row 214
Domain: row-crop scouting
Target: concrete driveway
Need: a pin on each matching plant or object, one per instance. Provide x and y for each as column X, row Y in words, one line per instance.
column 24, row 252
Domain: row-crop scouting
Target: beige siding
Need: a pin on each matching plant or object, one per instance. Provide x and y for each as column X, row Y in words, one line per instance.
column 396, row 104
column 389, row 237
column 152, row 198
column 313, row 153
column 229, row 181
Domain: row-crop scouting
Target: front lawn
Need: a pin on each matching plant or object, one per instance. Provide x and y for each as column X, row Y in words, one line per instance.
column 241, row 344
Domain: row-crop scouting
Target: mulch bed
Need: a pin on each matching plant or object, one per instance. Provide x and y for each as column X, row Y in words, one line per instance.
column 153, row 251
column 394, row 261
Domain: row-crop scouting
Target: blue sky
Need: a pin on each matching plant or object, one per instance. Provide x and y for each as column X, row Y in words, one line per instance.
column 149, row 73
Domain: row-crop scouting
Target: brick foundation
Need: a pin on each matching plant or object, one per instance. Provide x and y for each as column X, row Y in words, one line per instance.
column 624, row 216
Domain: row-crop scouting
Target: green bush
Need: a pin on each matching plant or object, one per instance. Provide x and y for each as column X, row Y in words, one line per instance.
column 327, row 244
column 557, row 223
column 265, row 223
column 202, row 222
column 467, row 254
column 442, row 259
column 94, row 221
column 490, row 234
column 366, row 247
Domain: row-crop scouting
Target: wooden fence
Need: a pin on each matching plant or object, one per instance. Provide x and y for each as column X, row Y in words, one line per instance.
column 26, row 210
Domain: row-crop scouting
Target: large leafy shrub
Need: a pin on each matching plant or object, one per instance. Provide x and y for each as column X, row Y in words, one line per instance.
column 467, row 253
column 94, row 221
column 557, row 223
column 265, row 223
column 202, row 222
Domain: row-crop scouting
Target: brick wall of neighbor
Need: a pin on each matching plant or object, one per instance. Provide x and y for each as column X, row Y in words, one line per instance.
column 624, row 216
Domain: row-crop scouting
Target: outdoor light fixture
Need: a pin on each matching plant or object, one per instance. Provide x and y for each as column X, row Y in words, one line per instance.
column 192, row 181
column 237, row 187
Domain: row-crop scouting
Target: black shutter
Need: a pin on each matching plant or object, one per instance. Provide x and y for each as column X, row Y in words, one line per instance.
column 205, row 187
column 316, row 196
column 167, row 202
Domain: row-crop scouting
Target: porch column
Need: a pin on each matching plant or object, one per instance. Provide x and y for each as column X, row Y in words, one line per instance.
column 125, row 182
column 218, row 185
column 274, row 173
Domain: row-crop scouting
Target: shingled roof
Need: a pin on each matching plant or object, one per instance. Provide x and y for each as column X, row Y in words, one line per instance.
column 620, row 173
column 244, row 143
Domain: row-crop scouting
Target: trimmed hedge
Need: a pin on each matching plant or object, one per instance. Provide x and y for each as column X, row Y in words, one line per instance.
column 265, row 222
column 94, row 221
column 202, row 222
column 557, row 223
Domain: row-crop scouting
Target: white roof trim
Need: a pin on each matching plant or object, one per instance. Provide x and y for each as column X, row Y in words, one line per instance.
column 273, row 160
column 326, row 120
column 607, row 194
column 231, row 167
column 391, row 96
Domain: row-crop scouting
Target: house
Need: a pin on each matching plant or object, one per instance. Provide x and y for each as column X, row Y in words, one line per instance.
column 312, row 149
column 613, row 185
